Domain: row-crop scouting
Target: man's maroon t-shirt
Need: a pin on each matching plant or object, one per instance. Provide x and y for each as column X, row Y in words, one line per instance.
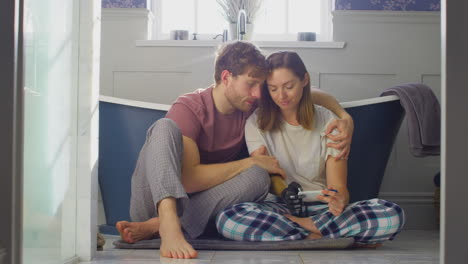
column 219, row 137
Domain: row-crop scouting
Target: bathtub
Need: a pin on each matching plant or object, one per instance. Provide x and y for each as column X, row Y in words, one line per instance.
column 123, row 124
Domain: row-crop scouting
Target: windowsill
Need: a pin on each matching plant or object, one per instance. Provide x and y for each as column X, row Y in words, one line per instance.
column 261, row 44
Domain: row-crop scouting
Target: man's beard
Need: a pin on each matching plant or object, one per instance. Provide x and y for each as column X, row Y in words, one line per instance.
column 235, row 100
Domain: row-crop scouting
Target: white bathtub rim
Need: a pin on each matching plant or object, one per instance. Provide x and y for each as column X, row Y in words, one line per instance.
column 166, row 107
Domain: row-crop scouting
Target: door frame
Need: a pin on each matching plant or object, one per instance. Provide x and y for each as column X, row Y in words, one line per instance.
column 11, row 134
column 88, row 128
column 454, row 182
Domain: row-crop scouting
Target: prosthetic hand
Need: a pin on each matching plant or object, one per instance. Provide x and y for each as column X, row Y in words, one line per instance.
column 293, row 195
column 294, row 200
column 290, row 195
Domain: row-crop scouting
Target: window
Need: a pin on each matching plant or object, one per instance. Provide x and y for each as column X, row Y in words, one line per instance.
column 276, row 20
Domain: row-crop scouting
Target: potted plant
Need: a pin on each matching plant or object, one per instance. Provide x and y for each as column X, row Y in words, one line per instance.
column 230, row 11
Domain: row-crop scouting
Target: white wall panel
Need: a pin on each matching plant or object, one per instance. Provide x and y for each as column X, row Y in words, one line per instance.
column 433, row 81
column 356, row 86
column 142, row 86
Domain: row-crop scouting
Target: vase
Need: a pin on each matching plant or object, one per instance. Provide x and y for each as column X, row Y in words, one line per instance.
column 249, row 27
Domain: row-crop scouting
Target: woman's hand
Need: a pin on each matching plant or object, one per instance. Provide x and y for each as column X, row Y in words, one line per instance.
column 336, row 201
column 343, row 139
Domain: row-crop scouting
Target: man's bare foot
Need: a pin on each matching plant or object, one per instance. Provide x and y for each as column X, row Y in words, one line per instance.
column 173, row 243
column 308, row 225
column 132, row 232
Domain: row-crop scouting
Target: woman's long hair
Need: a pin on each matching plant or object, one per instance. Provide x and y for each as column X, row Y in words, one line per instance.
column 269, row 114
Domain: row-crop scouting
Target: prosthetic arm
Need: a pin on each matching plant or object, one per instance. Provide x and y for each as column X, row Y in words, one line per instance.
column 290, row 195
column 293, row 195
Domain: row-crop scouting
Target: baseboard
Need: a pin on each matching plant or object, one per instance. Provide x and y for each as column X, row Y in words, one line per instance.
column 73, row 260
column 408, row 197
column 419, row 208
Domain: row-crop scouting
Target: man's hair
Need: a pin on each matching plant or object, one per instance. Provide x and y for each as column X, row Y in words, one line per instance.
column 269, row 114
column 238, row 58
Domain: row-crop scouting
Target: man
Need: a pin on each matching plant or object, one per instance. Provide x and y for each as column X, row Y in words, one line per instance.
column 188, row 169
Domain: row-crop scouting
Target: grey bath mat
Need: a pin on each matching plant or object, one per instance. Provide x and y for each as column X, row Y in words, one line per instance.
column 221, row 244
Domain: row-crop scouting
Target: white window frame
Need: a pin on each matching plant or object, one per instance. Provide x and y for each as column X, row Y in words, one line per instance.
column 326, row 26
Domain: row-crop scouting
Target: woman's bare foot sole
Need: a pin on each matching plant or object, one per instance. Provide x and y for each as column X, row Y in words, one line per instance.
column 308, row 225
column 314, row 236
column 132, row 232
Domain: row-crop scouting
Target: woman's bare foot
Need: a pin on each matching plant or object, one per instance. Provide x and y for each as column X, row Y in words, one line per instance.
column 308, row 225
column 314, row 236
column 132, row 232
column 173, row 243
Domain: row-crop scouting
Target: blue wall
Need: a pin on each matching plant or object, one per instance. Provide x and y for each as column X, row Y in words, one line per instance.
column 398, row 5
column 407, row 5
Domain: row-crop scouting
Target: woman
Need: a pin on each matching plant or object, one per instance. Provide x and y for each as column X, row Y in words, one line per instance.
column 288, row 126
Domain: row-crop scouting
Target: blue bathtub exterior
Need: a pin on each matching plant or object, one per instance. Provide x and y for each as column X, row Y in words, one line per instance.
column 123, row 131
column 376, row 127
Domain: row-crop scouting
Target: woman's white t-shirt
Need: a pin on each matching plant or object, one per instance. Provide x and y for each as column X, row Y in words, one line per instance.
column 301, row 153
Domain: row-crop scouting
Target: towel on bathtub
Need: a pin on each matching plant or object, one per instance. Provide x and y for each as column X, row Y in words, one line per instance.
column 423, row 112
